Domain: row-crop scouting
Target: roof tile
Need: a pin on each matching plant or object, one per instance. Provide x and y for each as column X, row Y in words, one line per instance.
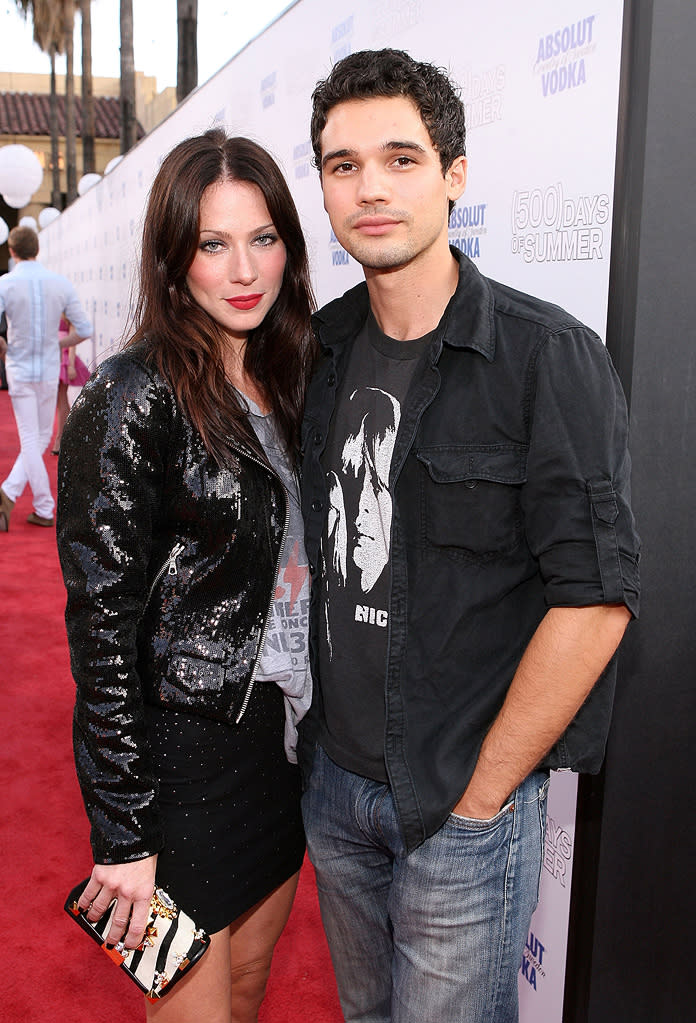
column 29, row 113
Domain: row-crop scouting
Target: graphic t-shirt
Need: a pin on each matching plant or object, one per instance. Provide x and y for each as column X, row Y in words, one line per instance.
column 284, row 657
column 356, row 548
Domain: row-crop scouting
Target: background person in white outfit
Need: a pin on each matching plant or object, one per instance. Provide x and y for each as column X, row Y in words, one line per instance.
column 34, row 299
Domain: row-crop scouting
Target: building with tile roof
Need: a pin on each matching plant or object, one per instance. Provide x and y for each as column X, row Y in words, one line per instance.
column 27, row 113
column 25, row 120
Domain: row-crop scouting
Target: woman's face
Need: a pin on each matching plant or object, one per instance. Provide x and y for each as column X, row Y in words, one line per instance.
column 237, row 272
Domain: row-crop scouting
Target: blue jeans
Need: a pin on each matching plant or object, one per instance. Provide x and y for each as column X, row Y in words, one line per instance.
column 435, row 935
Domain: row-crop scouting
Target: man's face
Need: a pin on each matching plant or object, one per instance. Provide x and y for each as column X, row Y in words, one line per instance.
column 384, row 189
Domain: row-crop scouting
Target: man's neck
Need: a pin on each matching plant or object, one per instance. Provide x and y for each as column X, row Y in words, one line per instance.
column 408, row 302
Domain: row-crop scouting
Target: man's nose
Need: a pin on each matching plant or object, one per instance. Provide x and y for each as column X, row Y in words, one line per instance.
column 373, row 184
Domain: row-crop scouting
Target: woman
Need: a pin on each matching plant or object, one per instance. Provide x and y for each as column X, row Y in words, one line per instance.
column 180, row 543
column 73, row 373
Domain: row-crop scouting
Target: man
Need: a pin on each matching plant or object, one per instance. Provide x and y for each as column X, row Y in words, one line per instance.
column 446, row 692
column 34, row 299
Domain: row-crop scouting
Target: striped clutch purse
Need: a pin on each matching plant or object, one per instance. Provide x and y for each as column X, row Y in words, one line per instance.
column 171, row 946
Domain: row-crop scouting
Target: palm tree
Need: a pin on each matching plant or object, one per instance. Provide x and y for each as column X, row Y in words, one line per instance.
column 128, row 121
column 68, row 19
column 49, row 36
column 187, row 50
column 88, row 158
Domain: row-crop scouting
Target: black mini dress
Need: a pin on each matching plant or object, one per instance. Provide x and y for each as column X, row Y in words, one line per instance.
column 230, row 803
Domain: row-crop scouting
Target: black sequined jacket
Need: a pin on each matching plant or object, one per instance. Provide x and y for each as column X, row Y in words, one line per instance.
column 169, row 563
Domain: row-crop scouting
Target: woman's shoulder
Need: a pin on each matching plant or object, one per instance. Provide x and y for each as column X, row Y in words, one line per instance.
column 131, row 365
column 129, row 377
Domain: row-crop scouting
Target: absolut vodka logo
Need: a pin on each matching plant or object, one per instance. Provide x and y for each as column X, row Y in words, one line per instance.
column 268, row 90
column 561, row 60
column 302, row 155
column 468, row 228
column 532, row 967
column 341, row 39
column 337, row 254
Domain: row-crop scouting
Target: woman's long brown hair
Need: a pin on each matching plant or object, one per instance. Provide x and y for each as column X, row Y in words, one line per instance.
column 184, row 341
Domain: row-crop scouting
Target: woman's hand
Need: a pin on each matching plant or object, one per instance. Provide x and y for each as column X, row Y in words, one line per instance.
column 132, row 884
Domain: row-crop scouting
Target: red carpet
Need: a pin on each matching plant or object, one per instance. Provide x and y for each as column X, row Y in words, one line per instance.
column 51, row 970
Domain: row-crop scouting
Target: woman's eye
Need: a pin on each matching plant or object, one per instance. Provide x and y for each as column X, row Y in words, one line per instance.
column 211, row 246
column 265, row 240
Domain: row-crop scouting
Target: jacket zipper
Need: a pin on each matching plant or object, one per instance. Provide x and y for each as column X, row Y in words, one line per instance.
column 269, row 613
column 169, row 566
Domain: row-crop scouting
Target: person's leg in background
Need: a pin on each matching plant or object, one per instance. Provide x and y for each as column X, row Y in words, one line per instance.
column 62, row 409
column 34, row 409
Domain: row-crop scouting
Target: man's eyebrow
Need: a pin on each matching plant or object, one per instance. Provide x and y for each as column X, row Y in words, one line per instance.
column 415, row 147
column 386, row 147
column 337, row 154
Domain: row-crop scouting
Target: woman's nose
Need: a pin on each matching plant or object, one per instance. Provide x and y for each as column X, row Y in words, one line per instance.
column 243, row 267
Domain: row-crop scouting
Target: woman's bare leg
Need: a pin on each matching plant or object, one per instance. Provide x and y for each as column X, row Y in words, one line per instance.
column 228, row 984
column 253, row 938
column 62, row 409
column 204, row 993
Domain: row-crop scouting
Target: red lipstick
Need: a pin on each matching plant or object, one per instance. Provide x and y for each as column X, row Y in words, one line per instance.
column 244, row 301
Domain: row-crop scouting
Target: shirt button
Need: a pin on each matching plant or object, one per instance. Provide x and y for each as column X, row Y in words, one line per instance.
column 331, row 379
column 318, row 437
column 470, row 484
column 312, row 569
column 317, row 505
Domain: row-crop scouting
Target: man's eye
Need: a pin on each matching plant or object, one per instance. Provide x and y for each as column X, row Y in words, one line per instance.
column 403, row 161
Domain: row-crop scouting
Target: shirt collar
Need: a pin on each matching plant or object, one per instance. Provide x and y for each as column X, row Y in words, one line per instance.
column 468, row 320
column 26, row 266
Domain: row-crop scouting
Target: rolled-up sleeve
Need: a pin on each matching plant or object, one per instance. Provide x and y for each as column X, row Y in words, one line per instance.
column 576, row 501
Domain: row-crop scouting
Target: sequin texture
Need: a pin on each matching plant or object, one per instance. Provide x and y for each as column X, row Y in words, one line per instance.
column 169, row 562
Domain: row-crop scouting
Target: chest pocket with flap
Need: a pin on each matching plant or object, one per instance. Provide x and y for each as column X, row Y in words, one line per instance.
column 470, row 498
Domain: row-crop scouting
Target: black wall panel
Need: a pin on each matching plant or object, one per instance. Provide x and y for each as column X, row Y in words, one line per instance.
column 634, row 961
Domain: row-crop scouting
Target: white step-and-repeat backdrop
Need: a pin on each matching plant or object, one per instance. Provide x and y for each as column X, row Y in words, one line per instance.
column 540, row 81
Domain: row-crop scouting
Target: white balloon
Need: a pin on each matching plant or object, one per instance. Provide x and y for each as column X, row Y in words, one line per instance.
column 4, row 231
column 29, row 222
column 20, row 171
column 16, row 201
column 47, row 215
column 86, row 182
column 113, row 163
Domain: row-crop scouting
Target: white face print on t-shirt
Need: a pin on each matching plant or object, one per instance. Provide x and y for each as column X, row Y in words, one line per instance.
column 359, row 524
